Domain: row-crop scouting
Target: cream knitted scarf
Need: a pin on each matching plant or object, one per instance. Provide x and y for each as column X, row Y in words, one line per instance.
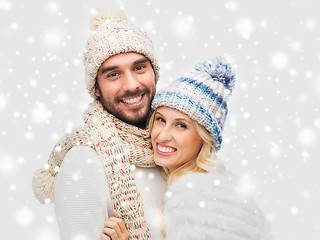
column 119, row 146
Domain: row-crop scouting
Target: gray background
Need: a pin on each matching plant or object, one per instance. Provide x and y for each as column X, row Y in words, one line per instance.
column 271, row 138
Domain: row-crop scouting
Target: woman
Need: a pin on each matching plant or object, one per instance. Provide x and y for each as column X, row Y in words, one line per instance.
column 203, row 200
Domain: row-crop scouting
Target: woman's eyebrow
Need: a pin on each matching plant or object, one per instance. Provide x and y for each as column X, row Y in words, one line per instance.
column 159, row 113
column 182, row 119
column 176, row 119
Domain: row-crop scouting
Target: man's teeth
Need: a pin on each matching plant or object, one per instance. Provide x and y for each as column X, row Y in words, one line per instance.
column 132, row 100
column 165, row 149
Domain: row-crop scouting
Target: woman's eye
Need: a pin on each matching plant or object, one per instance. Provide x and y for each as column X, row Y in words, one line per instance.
column 160, row 119
column 181, row 125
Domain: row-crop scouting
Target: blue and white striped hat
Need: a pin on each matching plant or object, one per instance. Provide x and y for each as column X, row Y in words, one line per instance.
column 203, row 95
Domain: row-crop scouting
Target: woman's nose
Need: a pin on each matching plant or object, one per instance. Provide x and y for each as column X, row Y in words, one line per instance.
column 165, row 134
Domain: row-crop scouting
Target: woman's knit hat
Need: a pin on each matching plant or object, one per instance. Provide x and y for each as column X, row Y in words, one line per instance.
column 203, row 95
column 113, row 34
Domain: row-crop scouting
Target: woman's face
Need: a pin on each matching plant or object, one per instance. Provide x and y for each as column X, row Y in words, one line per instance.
column 174, row 138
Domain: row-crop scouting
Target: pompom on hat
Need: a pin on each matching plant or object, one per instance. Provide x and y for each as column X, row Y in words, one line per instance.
column 203, row 95
column 113, row 34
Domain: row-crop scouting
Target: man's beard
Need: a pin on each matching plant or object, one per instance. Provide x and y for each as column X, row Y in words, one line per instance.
column 135, row 116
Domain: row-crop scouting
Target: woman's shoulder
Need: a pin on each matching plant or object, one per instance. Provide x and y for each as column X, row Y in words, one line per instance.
column 218, row 200
column 206, row 181
column 212, row 188
column 223, row 193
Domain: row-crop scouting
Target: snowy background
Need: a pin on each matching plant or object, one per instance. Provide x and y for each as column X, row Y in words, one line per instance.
column 272, row 136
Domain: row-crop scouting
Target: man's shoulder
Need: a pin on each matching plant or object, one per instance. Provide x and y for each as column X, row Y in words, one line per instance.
column 80, row 167
column 80, row 157
column 81, row 151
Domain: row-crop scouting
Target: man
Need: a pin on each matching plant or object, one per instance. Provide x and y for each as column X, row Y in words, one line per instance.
column 106, row 168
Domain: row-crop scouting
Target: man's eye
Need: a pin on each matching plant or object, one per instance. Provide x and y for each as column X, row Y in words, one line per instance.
column 139, row 68
column 112, row 75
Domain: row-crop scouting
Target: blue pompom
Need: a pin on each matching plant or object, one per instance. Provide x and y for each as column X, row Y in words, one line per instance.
column 219, row 70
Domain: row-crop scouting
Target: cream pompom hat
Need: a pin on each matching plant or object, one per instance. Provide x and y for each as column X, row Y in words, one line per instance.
column 113, row 34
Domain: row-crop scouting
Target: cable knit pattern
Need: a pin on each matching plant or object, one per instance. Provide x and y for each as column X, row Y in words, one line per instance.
column 212, row 206
column 118, row 145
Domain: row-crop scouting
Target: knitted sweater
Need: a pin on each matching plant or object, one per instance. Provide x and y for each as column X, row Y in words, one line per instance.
column 212, row 206
column 83, row 200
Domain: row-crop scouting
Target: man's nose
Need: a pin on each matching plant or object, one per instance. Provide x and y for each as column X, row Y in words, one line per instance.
column 131, row 82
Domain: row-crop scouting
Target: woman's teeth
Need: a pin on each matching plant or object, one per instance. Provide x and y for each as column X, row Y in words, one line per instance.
column 166, row 149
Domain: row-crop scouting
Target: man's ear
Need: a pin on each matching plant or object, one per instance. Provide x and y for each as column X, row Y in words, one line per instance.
column 97, row 92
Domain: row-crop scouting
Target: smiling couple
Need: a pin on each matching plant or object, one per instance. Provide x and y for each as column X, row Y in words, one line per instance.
column 111, row 180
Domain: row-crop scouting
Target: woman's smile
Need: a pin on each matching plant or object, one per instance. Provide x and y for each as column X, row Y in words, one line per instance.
column 175, row 139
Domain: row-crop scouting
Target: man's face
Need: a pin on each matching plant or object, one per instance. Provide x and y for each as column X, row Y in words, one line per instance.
column 126, row 87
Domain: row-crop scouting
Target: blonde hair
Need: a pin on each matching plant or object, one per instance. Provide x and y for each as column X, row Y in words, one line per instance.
column 205, row 162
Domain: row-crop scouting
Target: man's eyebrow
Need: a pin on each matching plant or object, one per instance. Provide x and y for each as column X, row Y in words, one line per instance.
column 144, row 60
column 110, row 68
column 107, row 69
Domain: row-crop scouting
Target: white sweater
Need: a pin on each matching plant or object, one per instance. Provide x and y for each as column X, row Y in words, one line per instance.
column 212, row 206
column 82, row 199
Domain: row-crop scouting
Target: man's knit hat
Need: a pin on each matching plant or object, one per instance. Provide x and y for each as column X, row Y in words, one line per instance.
column 113, row 34
column 203, row 95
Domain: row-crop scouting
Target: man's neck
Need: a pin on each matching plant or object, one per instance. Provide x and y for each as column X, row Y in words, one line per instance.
column 141, row 125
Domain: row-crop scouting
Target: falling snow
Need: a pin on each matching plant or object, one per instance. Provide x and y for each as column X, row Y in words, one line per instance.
column 232, row 6
column 245, row 27
column 279, row 60
column 8, row 165
column 79, row 237
column 272, row 133
column 24, row 217
column 40, row 114
column 307, row 137
column 44, row 232
column 5, row 5
column 310, row 24
column 182, row 25
column 3, row 102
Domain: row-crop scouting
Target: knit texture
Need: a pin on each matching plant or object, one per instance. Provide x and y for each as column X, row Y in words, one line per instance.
column 207, row 206
column 113, row 34
column 203, row 95
column 118, row 145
